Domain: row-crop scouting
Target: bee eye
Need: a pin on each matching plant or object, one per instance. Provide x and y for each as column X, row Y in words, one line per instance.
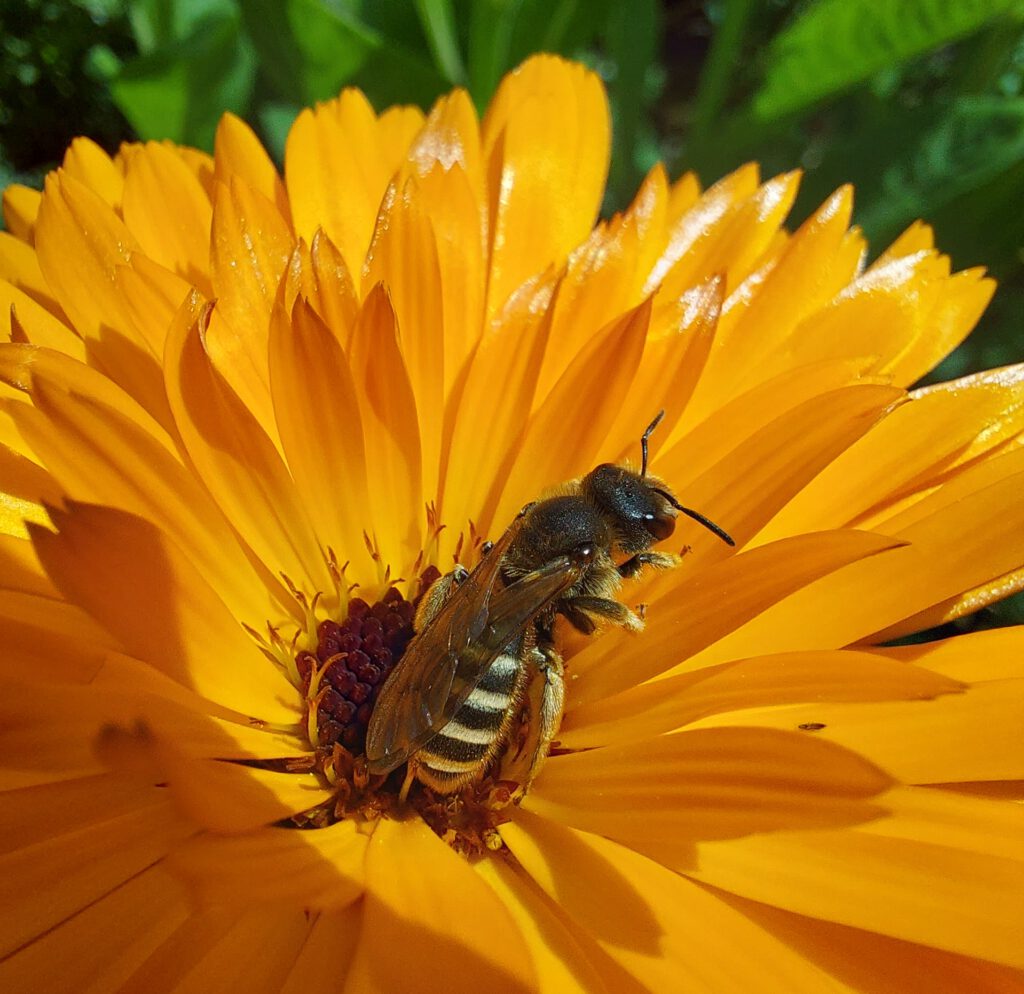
column 460, row 574
column 585, row 553
column 660, row 526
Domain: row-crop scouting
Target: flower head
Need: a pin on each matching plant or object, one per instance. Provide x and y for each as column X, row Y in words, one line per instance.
column 247, row 420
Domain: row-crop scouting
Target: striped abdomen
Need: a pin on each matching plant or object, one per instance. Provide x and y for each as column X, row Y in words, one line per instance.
column 462, row 749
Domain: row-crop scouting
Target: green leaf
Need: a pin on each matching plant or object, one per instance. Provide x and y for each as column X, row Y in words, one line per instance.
column 179, row 91
column 438, row 21
column 307, row 50
column 836, row 44
column 978, row 140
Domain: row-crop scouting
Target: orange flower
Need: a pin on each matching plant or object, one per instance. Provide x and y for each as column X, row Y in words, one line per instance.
column 228, row 398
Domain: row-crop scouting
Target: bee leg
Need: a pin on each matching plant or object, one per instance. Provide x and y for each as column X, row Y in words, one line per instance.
column 656, row 560
column 410, row 776
column 603, row 607
column 545, row 703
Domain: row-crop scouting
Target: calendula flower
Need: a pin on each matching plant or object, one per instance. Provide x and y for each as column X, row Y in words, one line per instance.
column 246, row 418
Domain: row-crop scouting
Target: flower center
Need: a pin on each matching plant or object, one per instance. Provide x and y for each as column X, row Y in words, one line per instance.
column 341, row 680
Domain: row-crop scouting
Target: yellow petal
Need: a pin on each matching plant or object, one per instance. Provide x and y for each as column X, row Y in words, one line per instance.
column 697, row 612
column 320, row 869
column 784, row 678
column 935, row 741
column 404, row 257
column 391, row 431
column 226, row 798
column 707, row 784
column 238, row 152
column 81, row 245
column 19, row 265
column 759, row 476
column 321, row 430
column 169, row 213
column 236, row 460
column 546, row 141
column 668, row 933
column 326, row 953
column 565, row 433
column 91, row 166
column 425, row 900
column 44, row 883
column 869, row 963
column 99, row 455
column 250, row 250
column 31, row 322
column 20, row 566
column 339, row 159
column 143, row 589
column 85, row 954
column 21, row 206
column 960, row 538
column 563, row 965
column 931, row 894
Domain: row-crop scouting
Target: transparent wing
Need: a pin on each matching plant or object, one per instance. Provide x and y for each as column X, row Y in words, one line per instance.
column 449, row 657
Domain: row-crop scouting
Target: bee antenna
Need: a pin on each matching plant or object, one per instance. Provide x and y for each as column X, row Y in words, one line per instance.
column 643, row 440
column 697, row 516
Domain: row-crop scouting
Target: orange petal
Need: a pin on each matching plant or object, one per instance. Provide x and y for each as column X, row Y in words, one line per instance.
column 21, row 206
column 43, row 884
column 236, row 460
column 19, row 265
column 250, row 250
column 697, row 612
column 546, row 142
column 238, row 152
column 996, row 654
column 83, row 953
column 734, row 241
column 565, row 433
column 425, row 900
column 226, row 798
column 931, row 894
column 19, row 565
column 912, row 442
column 750, row 484
column 326, row 953
column 605, row 276
column 321, row 430
column 707, row 784
column 91, row 166
column 934, row 741
column 692, row 217
column 81, row 245
column 142, row 588
column 869, row 963
column 784, row 678
column 169, row 213
column 668, row 933
column 960, row 538
column 339, row 159
column 31, row 322
column 450, row 137
column 510, row 353
column 99, row 455
column 563, row 965
column 391, row 430
column 404, row 257
column 320, row 869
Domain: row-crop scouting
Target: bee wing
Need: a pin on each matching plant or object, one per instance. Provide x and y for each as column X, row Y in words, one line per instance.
column 411, row 706
column 443, row 664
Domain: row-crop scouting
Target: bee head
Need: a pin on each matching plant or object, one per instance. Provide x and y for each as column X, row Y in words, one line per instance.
column 639, row 509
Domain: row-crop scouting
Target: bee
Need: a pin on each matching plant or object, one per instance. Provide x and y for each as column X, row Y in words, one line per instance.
column 484, row 646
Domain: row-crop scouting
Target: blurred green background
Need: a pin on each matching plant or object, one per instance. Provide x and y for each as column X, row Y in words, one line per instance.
column 920, row 103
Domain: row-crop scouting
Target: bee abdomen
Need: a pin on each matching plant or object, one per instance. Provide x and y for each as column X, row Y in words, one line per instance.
column 464, row 747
